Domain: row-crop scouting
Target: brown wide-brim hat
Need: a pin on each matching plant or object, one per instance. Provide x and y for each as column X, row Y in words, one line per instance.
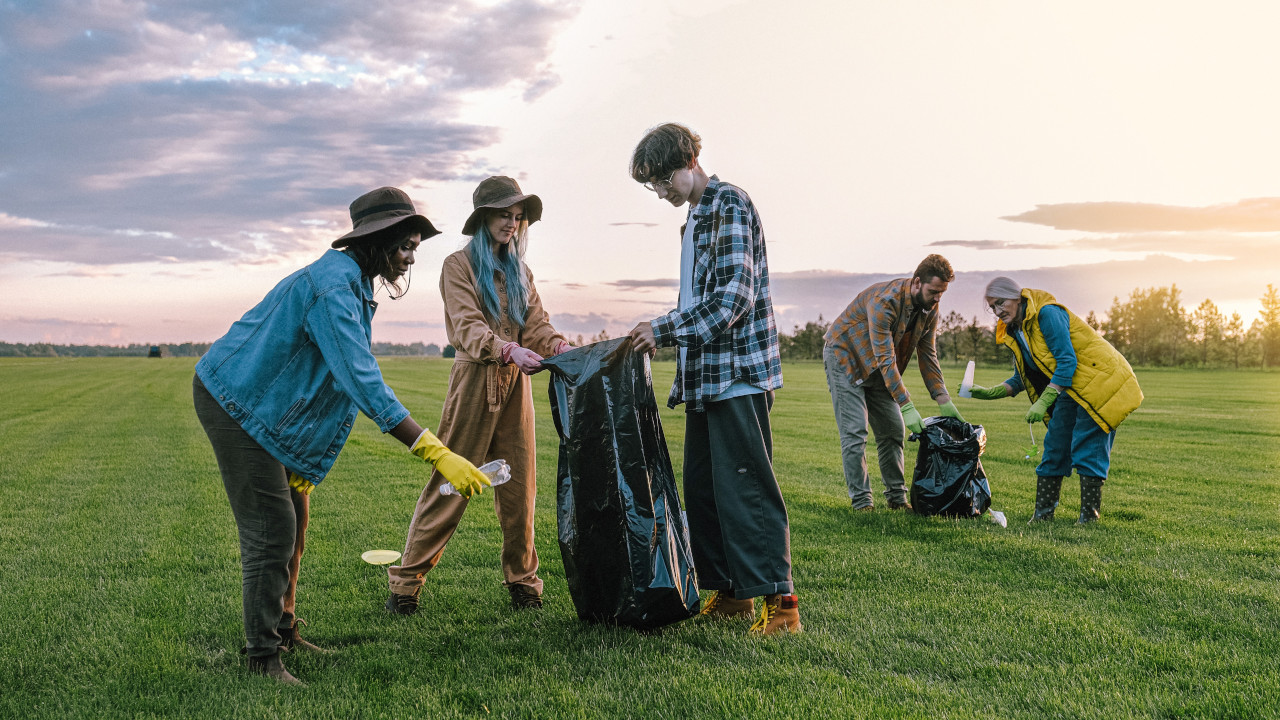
column 500, row 191
column 380, row 209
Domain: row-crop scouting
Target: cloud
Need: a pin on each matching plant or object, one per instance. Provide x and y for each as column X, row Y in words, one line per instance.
column 582, row 323
column 227, row 125
column 634, row 224
column 994, row 245
column 1250, row 215
column 662, row 283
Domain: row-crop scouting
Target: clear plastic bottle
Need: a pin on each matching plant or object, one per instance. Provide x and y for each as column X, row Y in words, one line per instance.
column 497, row 471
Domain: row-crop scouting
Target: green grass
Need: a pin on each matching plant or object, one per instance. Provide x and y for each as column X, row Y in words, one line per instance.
column 120, row 584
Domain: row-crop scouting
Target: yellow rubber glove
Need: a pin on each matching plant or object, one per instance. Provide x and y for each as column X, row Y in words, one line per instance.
column 1040, row 407
column 456, row 469
column 301, row 484
column 912, row 418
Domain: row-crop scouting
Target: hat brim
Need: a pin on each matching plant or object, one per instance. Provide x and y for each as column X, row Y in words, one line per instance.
column 413, row 222
column 532, row 211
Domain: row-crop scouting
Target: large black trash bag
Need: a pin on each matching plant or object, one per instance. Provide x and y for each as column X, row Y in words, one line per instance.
column 622, row 534
column 949, row 479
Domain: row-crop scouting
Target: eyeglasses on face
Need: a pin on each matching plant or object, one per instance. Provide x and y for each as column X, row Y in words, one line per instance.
column 664, row 184
column 995, row 307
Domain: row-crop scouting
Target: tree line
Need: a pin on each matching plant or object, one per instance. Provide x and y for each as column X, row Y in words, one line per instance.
column 1151, row 328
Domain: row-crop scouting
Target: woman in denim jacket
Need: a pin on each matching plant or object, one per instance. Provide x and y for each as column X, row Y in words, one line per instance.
column 278, row 394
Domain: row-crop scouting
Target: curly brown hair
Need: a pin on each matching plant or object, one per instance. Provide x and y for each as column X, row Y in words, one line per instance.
column 663, row 150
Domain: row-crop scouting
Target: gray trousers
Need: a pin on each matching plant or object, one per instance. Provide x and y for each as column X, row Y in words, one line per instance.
column 738, row 528
column 856, row 407
column 271, row 519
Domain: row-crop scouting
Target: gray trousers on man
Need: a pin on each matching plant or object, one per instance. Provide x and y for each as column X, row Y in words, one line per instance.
column 738, row 528
column 269, row 515
column 856, row 407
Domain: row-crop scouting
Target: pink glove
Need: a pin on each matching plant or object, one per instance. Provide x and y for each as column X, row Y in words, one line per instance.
column 527, row 360
column 564, row 346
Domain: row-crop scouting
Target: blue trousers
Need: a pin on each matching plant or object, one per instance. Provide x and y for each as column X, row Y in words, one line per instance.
column 1074, row 440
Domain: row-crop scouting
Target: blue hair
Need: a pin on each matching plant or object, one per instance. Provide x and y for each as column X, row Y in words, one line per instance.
column 509, row 260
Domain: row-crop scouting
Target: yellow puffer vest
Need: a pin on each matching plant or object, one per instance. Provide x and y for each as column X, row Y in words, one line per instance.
column 1103, row 384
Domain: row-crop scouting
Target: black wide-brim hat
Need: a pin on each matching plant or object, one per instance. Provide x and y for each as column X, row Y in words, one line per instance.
column 500, row 191
column 383, row 208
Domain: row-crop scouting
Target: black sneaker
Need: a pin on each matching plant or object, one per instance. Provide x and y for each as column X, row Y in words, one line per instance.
column 524, row 597
column 403, row 604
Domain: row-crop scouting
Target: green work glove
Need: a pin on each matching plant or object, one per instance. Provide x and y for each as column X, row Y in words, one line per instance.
column 456, row 469
column 948, row 409
column 1040, row 407
column 912, row 418
column 991, row 393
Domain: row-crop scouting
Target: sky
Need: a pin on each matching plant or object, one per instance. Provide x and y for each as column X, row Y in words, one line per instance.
column 163, row 165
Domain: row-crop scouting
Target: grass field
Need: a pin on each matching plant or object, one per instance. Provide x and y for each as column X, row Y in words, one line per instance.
column 120, row 584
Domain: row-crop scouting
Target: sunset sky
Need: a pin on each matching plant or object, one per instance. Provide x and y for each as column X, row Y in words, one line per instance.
column 163, row 165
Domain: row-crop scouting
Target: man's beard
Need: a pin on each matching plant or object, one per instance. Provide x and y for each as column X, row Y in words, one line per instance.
column 917, row 299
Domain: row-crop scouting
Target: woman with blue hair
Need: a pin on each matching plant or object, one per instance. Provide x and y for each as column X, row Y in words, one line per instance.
column 495, row 321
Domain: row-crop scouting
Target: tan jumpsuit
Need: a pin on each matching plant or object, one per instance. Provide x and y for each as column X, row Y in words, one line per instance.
column 488, row 415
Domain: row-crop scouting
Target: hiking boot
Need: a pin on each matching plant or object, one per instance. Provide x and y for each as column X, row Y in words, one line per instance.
column 780, row 614
column 865, row 508
column 722, row 606
column 524, row 597
column 1090, row 499
column 902, row 505
column 403, row 604
column 270, row 666
column 291, row 640
column 1048, row 489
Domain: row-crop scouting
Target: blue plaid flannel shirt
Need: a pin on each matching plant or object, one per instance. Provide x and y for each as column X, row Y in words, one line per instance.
column 729, row 332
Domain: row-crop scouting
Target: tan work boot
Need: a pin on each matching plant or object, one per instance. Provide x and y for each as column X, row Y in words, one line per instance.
column 722, row 607
column 270, row 666
column 781, row 613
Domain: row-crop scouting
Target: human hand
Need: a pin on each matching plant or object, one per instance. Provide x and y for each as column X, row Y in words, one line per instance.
column 564, row 346
column 912, row 418
column 527, row 360
column 991, row 393
column 1040, row 407
column 456, row 469
column 642, row 339
column 948, row 409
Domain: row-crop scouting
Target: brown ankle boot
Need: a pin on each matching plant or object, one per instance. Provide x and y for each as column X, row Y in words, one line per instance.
column 291, row 640
column 270, row 666
column 781, row 613
column 721, row 606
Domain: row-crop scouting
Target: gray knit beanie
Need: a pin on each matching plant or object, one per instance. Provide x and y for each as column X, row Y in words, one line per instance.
column 1003, row 288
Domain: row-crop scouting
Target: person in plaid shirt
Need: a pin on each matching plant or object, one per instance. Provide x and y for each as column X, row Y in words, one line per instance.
column 865, row 352
column 728, row 368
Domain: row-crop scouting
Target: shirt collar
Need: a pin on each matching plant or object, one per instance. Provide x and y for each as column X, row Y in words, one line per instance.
column 703, row 208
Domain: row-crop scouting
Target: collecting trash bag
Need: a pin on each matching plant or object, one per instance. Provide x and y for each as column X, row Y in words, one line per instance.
column 949, row 479
column 622, row 534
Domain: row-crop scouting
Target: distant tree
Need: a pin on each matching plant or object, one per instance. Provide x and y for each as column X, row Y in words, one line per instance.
column 951, row 330
column 1206, row 328
column 804, row 343
column 1234, row 338
column 981, row 341
column 1269, row 326
column 1092, row 321
column 1150, row 328
column 449, row 351
column 432, row 349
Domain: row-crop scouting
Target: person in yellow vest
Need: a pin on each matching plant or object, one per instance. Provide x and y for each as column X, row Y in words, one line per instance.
column 1078, row 384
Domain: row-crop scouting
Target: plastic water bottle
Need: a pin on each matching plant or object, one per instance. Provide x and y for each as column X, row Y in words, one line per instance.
column 966, row 385
column 497, row 471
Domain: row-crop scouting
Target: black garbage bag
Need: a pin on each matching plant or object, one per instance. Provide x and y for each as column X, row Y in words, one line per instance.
column 622, row 533
column 949, row 479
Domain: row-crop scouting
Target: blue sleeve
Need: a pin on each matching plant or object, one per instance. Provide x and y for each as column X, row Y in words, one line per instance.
column 1015, row 384
column 334, row 324
column 1055, row 325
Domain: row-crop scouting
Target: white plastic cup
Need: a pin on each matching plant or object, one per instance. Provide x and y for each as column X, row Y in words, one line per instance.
column 966, row 385
column 497, row 471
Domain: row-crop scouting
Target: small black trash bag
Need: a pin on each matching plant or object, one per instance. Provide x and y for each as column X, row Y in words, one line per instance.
column 949, row 479
column 622, row 534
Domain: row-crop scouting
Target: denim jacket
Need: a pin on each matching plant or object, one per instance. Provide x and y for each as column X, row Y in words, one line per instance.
column 294, row 370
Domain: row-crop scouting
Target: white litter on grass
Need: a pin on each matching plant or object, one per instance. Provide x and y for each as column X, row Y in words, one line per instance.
column 998, row 518
column 966, row 385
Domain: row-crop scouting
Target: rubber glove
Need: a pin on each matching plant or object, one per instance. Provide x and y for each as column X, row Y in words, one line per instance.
column 991, row 393
column 455, row 468
column 301, row 484
column 948, row 409
column 527, row 360
column 912, row 418
column 1040, row 407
